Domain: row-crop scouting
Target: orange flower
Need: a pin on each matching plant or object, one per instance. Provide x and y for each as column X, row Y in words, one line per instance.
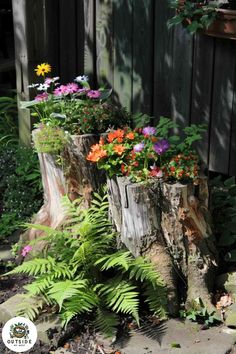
column 117, row 134
column 154, row 139
column 111, row 136
column 130, row 136
column 101, row 141
column 96, row 153
column 119, row 149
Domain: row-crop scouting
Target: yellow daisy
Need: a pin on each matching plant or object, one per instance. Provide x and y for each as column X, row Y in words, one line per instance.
column 43, row 69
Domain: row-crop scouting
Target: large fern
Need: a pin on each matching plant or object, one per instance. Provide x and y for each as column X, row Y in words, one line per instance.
column 81, row 271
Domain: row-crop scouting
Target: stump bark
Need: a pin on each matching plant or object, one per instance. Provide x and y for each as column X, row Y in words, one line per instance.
column 169, row 223
column 75, row 177
column 136, row 213
column 188, row 235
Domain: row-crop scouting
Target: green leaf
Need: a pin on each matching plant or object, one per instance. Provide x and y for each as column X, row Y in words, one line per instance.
column 229, row 182
column 231, row 256
column 64, row 290
column 227, row 239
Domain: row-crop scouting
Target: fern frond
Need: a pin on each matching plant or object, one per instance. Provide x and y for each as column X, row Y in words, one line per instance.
column 106, row 322
column 143, row 270
column 30, row 309
column 118, row 259
column 83, row 302
column 35, row 266
column 64, row 290
column 156, row 298
column 120, row 296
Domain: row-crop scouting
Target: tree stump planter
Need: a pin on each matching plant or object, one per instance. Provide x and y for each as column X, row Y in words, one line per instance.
column 136, row 213
column 169, row 223
column 75, row 177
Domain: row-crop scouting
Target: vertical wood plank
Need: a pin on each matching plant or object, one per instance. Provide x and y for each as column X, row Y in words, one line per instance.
column 123, row 43
column 201, row 89
column 181, row 82
column 142, row 95
column 232, row 159
column 222, row 106
column 104, row 42
column 80, row 37
column 89, row 40
column 52, row 25
column 163, row 60
column 68, row 50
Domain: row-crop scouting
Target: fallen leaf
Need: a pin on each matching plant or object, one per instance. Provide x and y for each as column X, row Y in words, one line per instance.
column 224, row 301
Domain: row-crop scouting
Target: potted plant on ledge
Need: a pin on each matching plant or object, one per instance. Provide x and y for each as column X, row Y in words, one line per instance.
column 218, row 20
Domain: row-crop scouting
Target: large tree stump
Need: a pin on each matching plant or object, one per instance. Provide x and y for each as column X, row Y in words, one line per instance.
column 169, row 223
column 188, row 235
column 75, row 177
column 136, row 213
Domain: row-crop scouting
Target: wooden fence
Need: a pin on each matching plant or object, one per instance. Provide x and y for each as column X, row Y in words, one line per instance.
column 126, row 44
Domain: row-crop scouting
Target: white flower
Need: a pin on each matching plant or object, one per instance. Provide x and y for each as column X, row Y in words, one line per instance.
column 82, row 78
column 49, row 80
column 43, row 87
column 33, row 85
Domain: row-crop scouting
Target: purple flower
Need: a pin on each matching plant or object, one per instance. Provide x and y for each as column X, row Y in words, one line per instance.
column 72, row 88
column 139, row 147
column 83, row 90
column 41, row 97
column 94, row 94
column 149, row 131
column 26, row 250
column 161, row 146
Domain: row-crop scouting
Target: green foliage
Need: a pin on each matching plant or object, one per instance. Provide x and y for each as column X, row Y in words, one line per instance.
column 20, row 187
column 98, row 117
column 224, row 215
column 140, row 120
column 82, row 271
column 193, row 15
column 8, row 120
column 199, row 313
column 50, row 140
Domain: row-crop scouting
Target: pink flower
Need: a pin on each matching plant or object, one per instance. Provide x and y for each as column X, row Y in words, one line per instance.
column 72, row 88
column 94, row 94
column 149, row 131
column 83, row 90
column 41, row 97
column 156, row 172
column 26, row 250
column 49, row 80
column 61, row 90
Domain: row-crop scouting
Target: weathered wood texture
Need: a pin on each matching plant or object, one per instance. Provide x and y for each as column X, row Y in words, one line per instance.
column 126, row 44
column 136, row 212
column 82, row 177
column 188, row 236
column 74, row 177
column 169, row 223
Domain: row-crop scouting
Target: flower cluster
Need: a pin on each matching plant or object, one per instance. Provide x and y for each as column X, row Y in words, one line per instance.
column 74, row 106
column 135, row 153
column 182, row 166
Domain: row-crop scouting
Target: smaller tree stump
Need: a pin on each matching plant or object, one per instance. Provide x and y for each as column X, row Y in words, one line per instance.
column 82, row 177
column 75, row 177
